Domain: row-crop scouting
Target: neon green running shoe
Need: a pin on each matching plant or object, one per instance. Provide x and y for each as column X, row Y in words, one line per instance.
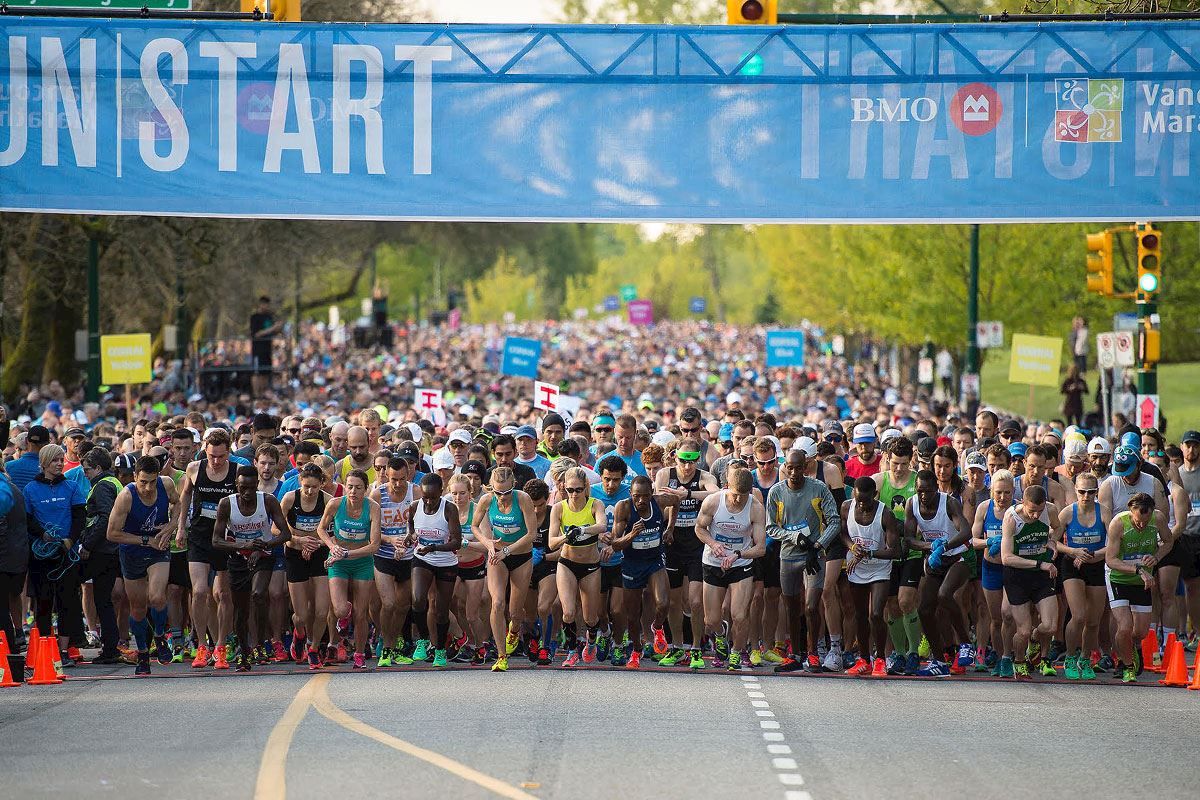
column 422, row 651
column 439, row 658
column 923, row 648
column 697, row 661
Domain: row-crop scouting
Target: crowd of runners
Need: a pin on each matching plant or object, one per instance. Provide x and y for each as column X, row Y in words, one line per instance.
column 700, row 511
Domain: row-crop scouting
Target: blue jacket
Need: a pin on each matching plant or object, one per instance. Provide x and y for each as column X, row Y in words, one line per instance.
column 55, row 507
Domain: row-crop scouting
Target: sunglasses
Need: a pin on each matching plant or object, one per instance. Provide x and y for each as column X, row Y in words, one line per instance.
column 574, row 489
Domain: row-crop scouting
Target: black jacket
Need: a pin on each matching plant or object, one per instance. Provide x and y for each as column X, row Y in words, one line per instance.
column 100, row 504
column 14, row 534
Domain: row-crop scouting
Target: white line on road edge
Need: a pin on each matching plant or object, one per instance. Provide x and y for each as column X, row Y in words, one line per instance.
column 787, row 771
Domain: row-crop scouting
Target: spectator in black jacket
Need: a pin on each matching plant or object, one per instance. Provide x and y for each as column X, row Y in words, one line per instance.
column 100, row 561
column 14, row 559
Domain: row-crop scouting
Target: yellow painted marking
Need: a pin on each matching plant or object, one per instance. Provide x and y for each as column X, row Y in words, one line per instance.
column 272, row 782
column 322, row 703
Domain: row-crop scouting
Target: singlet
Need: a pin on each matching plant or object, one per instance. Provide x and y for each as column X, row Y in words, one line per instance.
column 868, row 537
column 305, row 521
column 432, row 530
column 584, row 518
column 207, row 495
column 731, row 530
column 609, row 503
column 1135, row 545
column 647, row 546
column 939, row 527
column 246, row 528
column 1093, row 537
column 507, row 526
column 1122, row 492
column 144, row 520
column 1031, row 538
column 686, row 512
column 392, row 521
column 349, row 530
column 1191, row 485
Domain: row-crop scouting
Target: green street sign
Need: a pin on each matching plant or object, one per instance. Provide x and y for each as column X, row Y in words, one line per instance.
column 157, row 5
column 628, row 292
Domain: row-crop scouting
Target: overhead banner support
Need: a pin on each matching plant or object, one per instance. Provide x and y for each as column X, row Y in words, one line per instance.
column 922, row 123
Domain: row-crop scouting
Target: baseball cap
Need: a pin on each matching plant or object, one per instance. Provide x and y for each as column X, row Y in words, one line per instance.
column 1125, row 461
column 473, row 467
column 443, row 460
column 526, row 432
column 1190, row 436
column 806, row 445
column 38, row 434
column 1018, row 449
column 460, row 435
column 863, row 432
column 976, row 460
column 1101, row 446
column 75, row 432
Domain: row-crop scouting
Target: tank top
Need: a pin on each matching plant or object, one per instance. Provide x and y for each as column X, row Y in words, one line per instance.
column 391, row 520
column 939, row 527
column 647, row 546
column 1191, row 485
column 1135, row 545
column 1091, row 538
column 731, row 530
column 145, row 520
column 507, row 526
column 432, row 530
column 686, row 512
column 1031, row 538
column 584, row 519
column 207, row 495
column 1122, row 492
column 352, row 530
column 868, row 537
column 247, row 528
column 305, row 521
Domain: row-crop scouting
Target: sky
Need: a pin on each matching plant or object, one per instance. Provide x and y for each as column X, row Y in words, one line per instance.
column 491, row 10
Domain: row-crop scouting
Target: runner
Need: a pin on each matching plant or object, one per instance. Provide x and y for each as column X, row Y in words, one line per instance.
column 350, row 528
column 871, row 534
column 503, row 526
column 1030, row 535
column 1130, row 556
column 305, row 556
column 1081, row 569
column 393, row 562
column 575, row 525
column 434, row 529
column 732, row 526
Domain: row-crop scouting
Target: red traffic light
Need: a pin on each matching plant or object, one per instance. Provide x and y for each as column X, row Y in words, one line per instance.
column 1150, row 241
column 752, row 10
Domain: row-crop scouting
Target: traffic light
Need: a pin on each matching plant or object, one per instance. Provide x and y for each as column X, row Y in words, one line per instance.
column 1149, row 262
column 282, row 10
column 752, row 12
column 1100, row 263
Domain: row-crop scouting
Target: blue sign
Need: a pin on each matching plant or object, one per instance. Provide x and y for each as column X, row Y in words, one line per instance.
column 521, row 357
column 698, row 305
column 905, row 123
column 785, row 348
column 612, row 303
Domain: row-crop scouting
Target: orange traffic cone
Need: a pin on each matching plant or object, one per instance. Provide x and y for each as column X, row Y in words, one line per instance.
column 1176, row 666
column 1149, row 651
column 43, row 670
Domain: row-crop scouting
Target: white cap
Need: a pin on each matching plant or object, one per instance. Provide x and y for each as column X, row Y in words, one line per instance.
column 662, row 438
column 1099, row 445
column 806, row 445
column 459, row 435
column 443, row 460
column 415, row 430
column 732, row 397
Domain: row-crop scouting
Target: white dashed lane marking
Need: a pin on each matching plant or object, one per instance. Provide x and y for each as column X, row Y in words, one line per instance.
column 785, row 766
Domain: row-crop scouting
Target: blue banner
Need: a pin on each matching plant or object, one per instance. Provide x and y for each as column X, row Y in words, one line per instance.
column 521, row 357
column 785, row 348
column 937, row 123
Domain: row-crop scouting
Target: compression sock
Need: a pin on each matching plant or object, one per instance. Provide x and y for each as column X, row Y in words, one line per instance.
column 159, row 617
column 912, row 626
column 141, row 633
column 895, row 627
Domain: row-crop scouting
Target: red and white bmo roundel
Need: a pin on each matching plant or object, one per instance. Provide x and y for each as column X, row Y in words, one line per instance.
column 976, row 109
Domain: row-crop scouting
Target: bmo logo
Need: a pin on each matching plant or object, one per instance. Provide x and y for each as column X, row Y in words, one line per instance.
column 975, row 109
column 901, row 109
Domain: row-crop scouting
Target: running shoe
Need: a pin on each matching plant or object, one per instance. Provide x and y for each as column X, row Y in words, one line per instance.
column 1071, row 668
column 660, row 641
column 589, row 652
column 735, row 661
column 966, row 655
column 422, row 651
column 572, row 659
column 775, row 655
column 634, row 662
column 314, row 659
column 439, row 658
column 343, row 623
column 162, row 650
column 1048, row 669
column 832, row 661
column 501, row 664
column 721, row 648
column 219, row 658
column 510, row 643
column 697, row 661
column 935, row 669
column 1129, row 675
column 201, row 659
column 789, row 665
column 385, row 658
column 1021, row 672
column 879, row 669
column 861, row 667
column 1007, row 668
column 757, row 657
column 360, row 660
column 1086, row 673
column 143, row 663
column 912, row 664
column 543, row 659
column 280, row 654
column 923, row 647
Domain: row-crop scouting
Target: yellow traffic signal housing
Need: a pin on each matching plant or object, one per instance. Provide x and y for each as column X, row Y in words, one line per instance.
column 752, row 12
column 1149, row 262
column 282, row 10
column 1100, row 263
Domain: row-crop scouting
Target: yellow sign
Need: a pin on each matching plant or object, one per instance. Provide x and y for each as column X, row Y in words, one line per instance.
column 125, row 358
column 1035, row 359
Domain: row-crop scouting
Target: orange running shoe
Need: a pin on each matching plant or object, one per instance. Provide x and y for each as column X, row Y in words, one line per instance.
column 201, row 659
column 219, row 660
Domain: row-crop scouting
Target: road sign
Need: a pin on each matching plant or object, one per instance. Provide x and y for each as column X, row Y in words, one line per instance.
column 698, row 305
column 1124, row 348
column 628, row 292
column 154, row 5
column 1035, row 360
column 1106, row 349
column 1146, row 409
column 989, row 334
column 125, row 359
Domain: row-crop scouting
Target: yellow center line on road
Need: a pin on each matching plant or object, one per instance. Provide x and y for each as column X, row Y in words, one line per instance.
column 272, row 783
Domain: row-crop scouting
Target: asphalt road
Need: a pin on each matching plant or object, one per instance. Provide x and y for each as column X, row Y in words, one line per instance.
column 589, row 734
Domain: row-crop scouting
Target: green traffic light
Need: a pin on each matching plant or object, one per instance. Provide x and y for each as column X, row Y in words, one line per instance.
column 1148, row 282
